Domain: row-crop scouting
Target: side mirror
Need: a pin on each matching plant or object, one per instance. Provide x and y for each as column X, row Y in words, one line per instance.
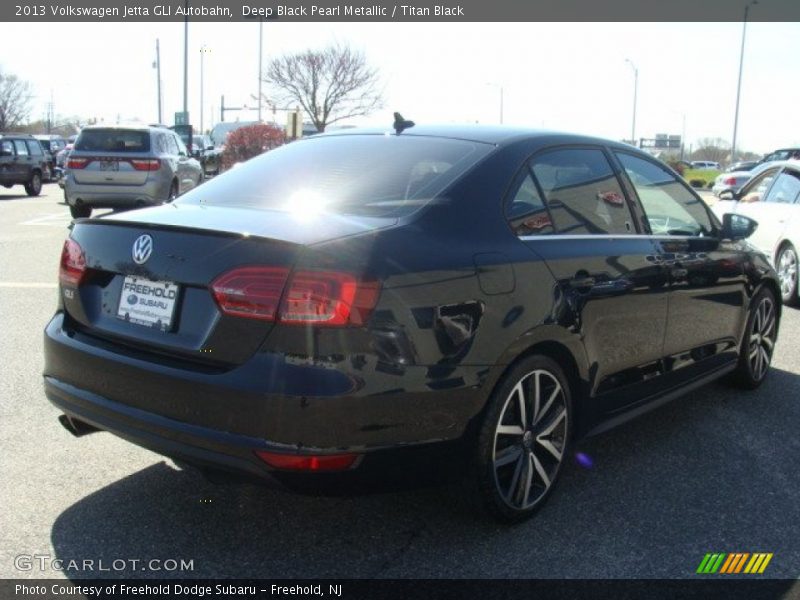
column 727, row 195
column 737, row 227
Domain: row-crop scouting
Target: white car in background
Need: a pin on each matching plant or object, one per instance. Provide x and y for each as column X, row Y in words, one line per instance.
column 772, row 198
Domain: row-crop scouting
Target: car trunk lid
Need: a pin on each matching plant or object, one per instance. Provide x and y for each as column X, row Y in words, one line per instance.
column 149, row 275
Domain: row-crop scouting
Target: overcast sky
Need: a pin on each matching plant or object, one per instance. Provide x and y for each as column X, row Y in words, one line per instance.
column 559, row 76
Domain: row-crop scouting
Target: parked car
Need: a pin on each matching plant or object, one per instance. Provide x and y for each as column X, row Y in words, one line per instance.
column 782, row 154
column 61, row 157
column 344, row 301
column 742, row 165
column 23, row 162
column 705, row 165
column 51, row 144
column 220, row 131
column 209, row 157
column 127, row 167
column 772, row 198
column 732, row 181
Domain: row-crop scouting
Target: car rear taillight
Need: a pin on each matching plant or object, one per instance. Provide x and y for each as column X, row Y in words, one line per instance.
column 77, row 163
column 252, row 292
column 323, row 298
column 729, row 181
column 298, row 462
column 328, row 298
column 73, row 264
column 146, row 164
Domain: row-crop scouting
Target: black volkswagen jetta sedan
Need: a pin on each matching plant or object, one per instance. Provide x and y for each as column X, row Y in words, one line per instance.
column 344, row 297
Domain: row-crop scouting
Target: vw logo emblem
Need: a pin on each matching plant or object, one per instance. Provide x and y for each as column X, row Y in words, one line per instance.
column 142, row 249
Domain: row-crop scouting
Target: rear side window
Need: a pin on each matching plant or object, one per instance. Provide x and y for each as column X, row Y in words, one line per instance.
column 525, row 209
column 22, row 149
column 113, row 140
column 7, row 147
column 366, row 175
column 581, row 191
column 671, row 209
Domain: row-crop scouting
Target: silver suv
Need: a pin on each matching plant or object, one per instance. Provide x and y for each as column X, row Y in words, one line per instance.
column 127, row 166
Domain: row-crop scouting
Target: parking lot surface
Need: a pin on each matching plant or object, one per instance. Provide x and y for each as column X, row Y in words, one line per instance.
column 716, row 471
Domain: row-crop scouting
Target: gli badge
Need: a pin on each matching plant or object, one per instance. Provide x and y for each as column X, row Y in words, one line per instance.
column 142, row 249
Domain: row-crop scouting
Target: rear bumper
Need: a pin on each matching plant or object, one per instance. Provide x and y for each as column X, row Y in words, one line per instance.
column 150, row 193
column 219, row 418
column 198, row 446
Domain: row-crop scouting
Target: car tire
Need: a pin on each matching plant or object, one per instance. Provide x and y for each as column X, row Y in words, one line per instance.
column 758, row 343
column 34, row 186
column 173, row 192
column 786, row 264
column 80, row 211
column 524, row 439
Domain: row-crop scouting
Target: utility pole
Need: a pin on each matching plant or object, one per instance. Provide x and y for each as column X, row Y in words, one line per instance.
column 635, row 91
column 186, row 62
column 203, row 51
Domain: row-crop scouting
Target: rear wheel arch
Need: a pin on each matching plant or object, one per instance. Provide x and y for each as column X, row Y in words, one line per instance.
column 556, row 351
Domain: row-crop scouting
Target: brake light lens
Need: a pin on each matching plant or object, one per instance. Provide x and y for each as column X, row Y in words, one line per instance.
column 730, row 181
column 322, row 298
column 297, row 462
column 328, row 298
column 252, row 292
column 77, row 163
column 73, row 264
column 146, row 164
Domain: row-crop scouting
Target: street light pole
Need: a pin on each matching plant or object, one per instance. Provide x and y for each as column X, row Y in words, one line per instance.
column 635, row 91
column 500, row 87
column 501, row 105
column 203, row 50
column 739, row 84
column 157, row 66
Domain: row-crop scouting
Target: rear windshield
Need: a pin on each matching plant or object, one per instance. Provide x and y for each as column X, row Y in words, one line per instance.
column 367, row 175
column 113, row 140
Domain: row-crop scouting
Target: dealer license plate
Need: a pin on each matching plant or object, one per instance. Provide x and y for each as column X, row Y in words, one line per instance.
column 149, row 303
column 109, row 165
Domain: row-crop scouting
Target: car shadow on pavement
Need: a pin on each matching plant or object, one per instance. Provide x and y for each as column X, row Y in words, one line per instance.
column 13, row 196
column 648, row 499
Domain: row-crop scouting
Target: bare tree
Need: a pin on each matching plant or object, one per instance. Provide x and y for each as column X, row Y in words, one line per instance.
column 15, row 101
column 331, row 84
column 715, row 149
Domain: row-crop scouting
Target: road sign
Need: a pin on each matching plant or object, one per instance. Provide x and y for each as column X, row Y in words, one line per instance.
column 181, row 118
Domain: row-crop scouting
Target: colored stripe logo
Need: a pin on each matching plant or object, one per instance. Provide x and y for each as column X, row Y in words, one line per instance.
column 734, row 562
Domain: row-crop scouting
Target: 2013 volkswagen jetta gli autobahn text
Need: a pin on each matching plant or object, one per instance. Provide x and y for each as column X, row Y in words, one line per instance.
column 344, row 297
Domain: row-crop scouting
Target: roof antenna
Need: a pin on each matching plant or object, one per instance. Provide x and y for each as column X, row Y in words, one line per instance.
column 400, row 124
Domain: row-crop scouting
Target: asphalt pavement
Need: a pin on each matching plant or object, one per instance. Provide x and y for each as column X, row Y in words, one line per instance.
column 716, row 471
